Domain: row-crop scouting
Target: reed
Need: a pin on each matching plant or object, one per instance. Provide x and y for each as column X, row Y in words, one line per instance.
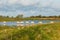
column 36, row 32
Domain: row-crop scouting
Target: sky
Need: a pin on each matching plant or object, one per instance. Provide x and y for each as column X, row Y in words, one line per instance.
column 29, row 7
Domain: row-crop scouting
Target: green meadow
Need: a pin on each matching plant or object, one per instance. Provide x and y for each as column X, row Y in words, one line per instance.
column 34, row 32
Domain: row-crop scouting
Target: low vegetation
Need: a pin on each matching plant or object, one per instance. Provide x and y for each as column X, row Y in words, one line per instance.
column 34, row 32
column 21, row 17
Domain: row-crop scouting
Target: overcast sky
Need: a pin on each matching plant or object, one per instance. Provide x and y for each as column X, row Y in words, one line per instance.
column 29, row 7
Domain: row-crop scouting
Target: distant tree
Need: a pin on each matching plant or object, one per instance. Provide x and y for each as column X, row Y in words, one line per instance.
column 40, row 16
column 44, row 17
column 1, row 16
column 7, row 16
column 19, row 16
column 31, row 16
column 12, row 17
column 59, row 16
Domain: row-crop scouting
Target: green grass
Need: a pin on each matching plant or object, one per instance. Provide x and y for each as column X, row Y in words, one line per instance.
column 35, row 32
column 22, row 19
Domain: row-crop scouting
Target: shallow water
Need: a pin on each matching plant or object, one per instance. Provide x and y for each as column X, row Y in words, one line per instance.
column 10, row 23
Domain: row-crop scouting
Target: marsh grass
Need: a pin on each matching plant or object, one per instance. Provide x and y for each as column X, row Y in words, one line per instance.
column 36, row 32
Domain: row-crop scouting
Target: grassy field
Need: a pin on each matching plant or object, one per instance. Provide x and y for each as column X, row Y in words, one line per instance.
column 21, row 19
column 34, row 32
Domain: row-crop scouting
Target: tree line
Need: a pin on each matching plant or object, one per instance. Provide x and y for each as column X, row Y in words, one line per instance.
column 18, row 16
column 40, row 16
column 21, row 17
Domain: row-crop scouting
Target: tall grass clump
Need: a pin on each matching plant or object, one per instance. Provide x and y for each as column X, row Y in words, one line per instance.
column 36, row 32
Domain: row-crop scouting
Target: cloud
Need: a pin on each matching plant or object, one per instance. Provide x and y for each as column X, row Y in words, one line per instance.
column 11, row 1
column 56, row 4
column 45, row 2
column 29, row 7
column 22, row 2
column 28, row 2
column 39, row 3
